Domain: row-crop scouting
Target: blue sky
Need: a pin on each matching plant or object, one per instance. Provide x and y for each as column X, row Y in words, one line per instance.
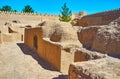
column 54, row 6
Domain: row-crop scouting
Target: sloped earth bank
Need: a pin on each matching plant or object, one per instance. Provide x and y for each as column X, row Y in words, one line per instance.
column 105, row 68
column 19, row 62
column 103, row 38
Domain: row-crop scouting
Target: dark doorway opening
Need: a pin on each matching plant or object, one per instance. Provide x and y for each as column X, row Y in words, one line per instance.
column 35, row 42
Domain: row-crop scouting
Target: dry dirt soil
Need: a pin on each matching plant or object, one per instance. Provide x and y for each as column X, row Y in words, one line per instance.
column 17, row 61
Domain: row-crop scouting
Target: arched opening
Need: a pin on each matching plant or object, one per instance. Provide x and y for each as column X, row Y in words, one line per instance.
column 22, row 37
column 35, row 42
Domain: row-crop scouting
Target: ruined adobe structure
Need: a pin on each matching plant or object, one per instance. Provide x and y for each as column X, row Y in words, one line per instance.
column 101, row 18
column 100, row 32
column 61, row 44
column 105, row 68
column 78, row 15
column 57, row 43
column 12, row 24
column 51, row 52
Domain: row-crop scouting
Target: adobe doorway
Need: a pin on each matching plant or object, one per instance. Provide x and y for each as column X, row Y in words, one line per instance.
column 35, row 42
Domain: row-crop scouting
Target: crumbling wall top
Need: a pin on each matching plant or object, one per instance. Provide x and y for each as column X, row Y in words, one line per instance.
column 110, row 12
column 24, row 13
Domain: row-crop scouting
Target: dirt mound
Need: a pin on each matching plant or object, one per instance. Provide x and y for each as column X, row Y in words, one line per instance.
column 86, row 36
column 105, row 39
column 60, row 32
column 105, row 68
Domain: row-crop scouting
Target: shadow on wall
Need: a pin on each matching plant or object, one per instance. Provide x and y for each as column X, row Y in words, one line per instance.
column 61, row 77
column 27, row 51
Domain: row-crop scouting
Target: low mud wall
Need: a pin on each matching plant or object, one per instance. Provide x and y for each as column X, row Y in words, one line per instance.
column 49, row 52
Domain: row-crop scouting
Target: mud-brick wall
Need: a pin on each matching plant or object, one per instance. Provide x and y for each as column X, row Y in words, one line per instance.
column 101, row 18
column 10, row 37
column 66, row 59
column 80, row 56
column 89, row 21
column 48, row 51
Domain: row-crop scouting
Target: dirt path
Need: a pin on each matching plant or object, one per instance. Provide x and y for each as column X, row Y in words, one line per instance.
column 19, row 62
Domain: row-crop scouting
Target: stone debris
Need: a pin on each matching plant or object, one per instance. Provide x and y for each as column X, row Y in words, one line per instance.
column 104, row 39
column 105, row 68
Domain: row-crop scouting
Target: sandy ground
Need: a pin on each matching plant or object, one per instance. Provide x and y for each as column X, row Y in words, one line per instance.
column 19, row 62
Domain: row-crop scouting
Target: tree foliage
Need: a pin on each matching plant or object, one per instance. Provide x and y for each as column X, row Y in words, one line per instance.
column 7, row 8
column 14, row 10
column 65, row 14
column 28, row 8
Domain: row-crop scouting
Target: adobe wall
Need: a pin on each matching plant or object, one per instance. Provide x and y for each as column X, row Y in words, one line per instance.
column 46, row 50
column 52, row 53
column 66, row 59
column 25, row 18
column 10, row 37
column 101, row 18
column 78, row 15
column 80, row 56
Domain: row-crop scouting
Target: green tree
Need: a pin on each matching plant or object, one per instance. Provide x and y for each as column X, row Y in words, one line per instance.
column 6, row 8
column 28, row 8
column 65, row 14
column 14, row 10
